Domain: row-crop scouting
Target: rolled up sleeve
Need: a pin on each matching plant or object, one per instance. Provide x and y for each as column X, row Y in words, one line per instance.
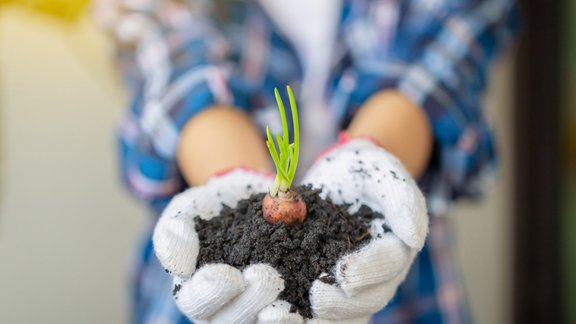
column 437, row 55
column 173, row 61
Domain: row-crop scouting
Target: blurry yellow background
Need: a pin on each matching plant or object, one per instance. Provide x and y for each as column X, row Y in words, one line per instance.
column 66, row 9
column 67, row 228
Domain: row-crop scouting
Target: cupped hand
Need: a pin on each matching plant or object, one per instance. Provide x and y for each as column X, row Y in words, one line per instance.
column 358, row 172
column 217, row 293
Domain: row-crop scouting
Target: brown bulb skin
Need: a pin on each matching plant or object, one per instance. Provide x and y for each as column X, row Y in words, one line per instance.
column 288, row 208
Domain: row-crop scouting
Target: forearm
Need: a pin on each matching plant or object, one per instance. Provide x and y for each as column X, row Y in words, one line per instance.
column 218, row 139
column 398, row 125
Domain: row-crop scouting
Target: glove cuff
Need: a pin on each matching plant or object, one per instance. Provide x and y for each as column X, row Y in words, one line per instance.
column 344, row 138
column 347, row 142
column 242, row 170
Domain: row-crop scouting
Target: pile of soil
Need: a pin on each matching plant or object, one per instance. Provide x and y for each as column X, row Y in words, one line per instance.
column 240, row 237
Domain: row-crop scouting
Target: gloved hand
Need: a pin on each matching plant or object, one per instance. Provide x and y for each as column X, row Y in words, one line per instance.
column 359, row 172
column 218, row 293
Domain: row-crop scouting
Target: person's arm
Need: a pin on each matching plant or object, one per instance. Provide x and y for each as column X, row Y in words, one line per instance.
column 398, row 125
column 173, row 58
column 438, row 58
column 218, row 139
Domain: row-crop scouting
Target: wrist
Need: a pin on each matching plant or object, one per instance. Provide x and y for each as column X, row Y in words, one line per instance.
column 219, row 139
column 398, row 125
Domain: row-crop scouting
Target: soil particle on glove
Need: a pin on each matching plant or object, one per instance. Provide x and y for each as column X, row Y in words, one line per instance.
column 301, row 252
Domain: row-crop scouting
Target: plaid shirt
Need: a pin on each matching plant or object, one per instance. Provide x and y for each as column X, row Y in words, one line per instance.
column 178, row 58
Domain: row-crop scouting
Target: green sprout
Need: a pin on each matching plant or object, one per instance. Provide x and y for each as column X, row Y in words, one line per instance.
column 287, row 160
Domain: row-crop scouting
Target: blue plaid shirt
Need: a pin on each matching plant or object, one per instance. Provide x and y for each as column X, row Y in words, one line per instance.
column 177, row 59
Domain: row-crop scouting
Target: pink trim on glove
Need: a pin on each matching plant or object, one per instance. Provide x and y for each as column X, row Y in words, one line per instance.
column 243, row 168
column 344, row 138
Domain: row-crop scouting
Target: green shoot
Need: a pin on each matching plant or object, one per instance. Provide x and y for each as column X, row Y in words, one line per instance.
column 285, row 157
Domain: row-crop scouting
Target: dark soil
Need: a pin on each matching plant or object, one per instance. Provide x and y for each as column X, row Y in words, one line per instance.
column 240, row 237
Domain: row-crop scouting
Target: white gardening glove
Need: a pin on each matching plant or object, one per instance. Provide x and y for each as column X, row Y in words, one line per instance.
column 359, row 172
column 217, row 293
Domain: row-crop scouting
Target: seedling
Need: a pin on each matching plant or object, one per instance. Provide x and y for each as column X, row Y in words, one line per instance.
column 282, row 204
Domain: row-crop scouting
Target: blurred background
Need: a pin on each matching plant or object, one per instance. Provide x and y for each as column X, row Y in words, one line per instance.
column 67, row 227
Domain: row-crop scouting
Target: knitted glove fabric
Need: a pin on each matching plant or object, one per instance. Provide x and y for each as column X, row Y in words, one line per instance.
column 359, row 172
column 215, row 293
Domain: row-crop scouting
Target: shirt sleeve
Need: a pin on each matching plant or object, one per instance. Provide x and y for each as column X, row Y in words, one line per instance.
column 437, row 53
column 173, row 60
